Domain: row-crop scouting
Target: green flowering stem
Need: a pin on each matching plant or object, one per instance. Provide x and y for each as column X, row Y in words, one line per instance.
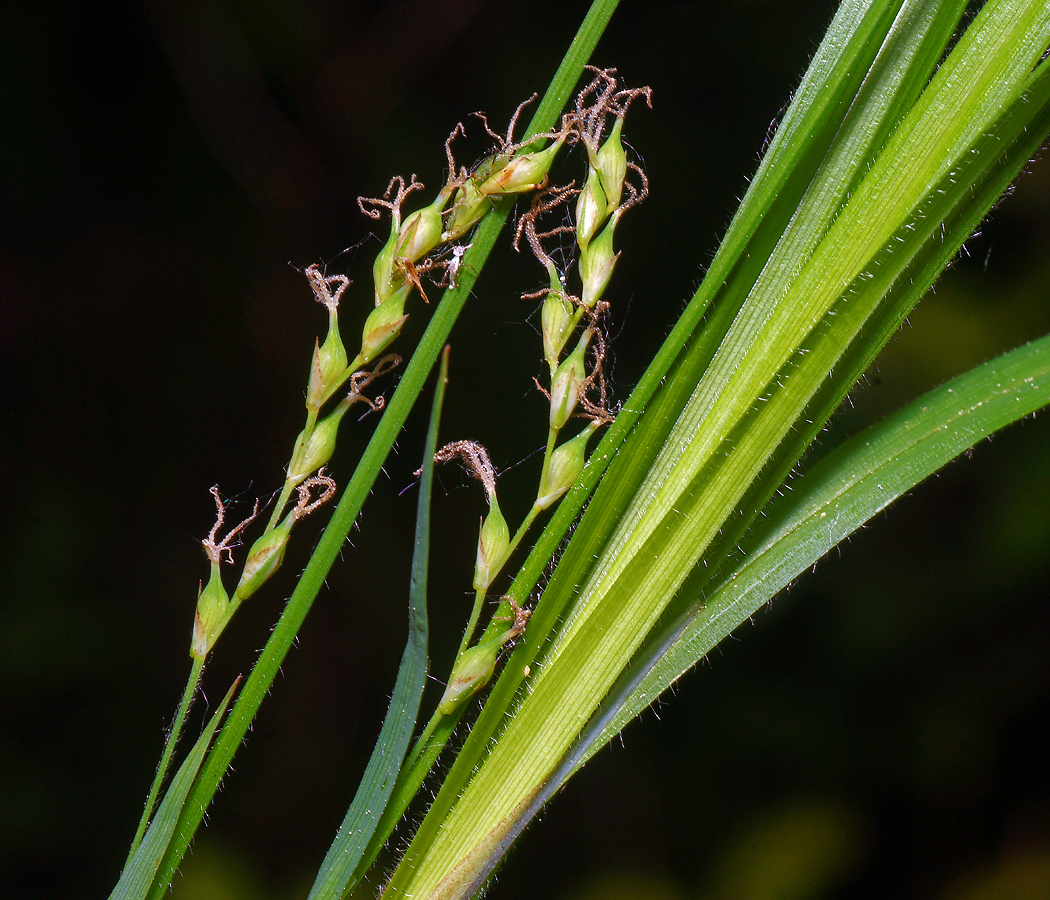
column 353, row 498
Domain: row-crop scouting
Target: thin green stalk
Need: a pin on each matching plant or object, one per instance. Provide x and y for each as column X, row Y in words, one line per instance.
column 293, row 466
column 526, row 524
column 169, row 748
column 472, row 623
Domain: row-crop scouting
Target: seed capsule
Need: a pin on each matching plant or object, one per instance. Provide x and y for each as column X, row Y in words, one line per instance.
column 556, row 318
column 387, row 277
column 213, row 605
column 524, row 172
column 493, row 540
column 328, row 366
column 468, row 203
column 264, row 559
column 597, row 263
column 471, row 674
column 565, row 468
column 320, row 447
column 611, row 162
column 476, row 665
column 421, row 232
column 590, row 209
column 383, row 324
column 567, row 381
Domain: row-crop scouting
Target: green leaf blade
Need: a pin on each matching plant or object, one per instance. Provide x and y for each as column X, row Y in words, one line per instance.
column 336, row 876
column 831, row 501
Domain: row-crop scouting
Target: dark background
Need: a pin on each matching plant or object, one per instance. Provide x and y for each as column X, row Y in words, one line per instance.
column 165, row 166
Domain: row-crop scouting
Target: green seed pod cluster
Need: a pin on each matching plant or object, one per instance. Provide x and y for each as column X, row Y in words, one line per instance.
column 598, row 212
column 458, row 207
column 215, row 607
column 600, row 203
column 518, row 169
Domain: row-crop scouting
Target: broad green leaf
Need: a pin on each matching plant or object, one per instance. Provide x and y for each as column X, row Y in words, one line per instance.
column 140, row 872
column 827, row 504
column 336, row 876
column 902, row 199
column 939, row 249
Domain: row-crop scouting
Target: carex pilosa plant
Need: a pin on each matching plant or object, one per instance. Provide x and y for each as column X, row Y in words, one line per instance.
column 906, row 129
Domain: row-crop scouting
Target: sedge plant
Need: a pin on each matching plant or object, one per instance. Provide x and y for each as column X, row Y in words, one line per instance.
column 907, row 127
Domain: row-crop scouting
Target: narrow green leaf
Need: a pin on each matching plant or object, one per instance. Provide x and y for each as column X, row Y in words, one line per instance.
column 336, row 876
column 418, row 765
column 140, row 872
column 170, row 743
